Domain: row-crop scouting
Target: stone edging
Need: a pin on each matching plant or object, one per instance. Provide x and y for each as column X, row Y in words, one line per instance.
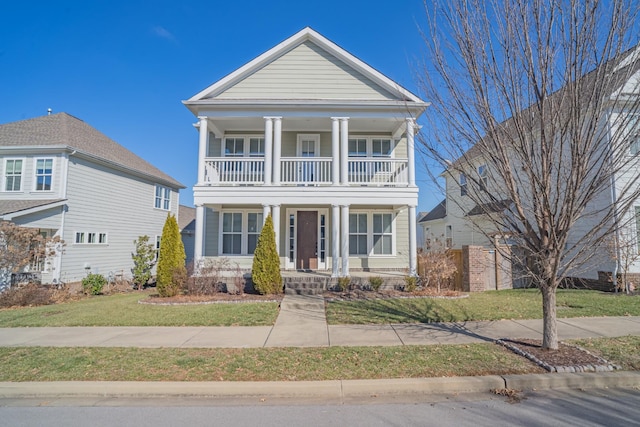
column 604, row 365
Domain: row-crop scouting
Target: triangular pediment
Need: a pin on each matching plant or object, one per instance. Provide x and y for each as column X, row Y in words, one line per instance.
column 306, row 66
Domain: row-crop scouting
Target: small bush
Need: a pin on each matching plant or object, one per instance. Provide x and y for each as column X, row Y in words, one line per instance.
column 344, row 283
column 93, row 284
column 209, row 277
column 179, row 281
column 410, row 283
column 27, row 295
column 376, row 283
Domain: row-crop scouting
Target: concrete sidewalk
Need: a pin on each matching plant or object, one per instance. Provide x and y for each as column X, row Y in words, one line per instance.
column 302, row 323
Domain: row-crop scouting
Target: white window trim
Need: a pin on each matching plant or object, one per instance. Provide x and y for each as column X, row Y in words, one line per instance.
column 307, row 136
column 370, row 233
column 244, row 239
column 369, row 139
column 4, row 175
column 85, row 238
column 246, row 144
column 162, row 198
column 35, row 174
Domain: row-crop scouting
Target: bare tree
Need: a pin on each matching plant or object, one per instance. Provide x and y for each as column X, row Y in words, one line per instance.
column 535, row 101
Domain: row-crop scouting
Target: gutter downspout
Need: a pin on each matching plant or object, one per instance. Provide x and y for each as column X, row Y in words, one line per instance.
column 65, row 174
column 614, row 203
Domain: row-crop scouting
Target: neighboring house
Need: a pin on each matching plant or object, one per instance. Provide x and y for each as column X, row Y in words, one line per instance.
column 324, row 143
column 187, row 225
column 62, row 176
column 463, row 222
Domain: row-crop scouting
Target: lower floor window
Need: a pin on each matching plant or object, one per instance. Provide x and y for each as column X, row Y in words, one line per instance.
column 90, row 238
column 371, row 233
column 240, row 232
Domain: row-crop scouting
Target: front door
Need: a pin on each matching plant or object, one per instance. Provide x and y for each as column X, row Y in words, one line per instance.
column 307, row 239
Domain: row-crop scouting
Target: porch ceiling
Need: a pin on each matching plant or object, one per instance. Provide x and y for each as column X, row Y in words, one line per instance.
column 306, row 124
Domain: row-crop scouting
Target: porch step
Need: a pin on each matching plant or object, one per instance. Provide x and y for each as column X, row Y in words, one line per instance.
column 305, row 285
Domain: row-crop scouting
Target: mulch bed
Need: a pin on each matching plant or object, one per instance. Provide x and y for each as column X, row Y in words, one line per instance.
column 567, row 358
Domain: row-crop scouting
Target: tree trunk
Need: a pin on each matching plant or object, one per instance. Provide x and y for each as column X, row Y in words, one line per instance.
column 550, row 326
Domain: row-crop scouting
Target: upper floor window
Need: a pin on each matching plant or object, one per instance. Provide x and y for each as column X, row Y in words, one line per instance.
column 163, row 198
column 370, row 147
column 44, row 174
column 483, row 176
column 463, row 184
column 240, row 146
column 381, row 147
column 633, row 130
column 13, row 175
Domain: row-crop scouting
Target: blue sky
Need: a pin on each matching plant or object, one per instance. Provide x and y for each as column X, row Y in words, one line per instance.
column 125, row 66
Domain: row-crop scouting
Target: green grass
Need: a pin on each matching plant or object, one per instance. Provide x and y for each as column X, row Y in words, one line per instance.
column 624, row 351
column 491, row 305
column 124, row 310
column 261, row 364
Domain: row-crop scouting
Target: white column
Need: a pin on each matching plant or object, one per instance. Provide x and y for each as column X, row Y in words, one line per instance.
column 411, row 151
column 413, row 247
column 266, row 210
column 275, row 215
column 198, row 250
column 277, row 148
column 203, row 143
column 268, row 149
column 344, row 150
column 335, row 240
column 335, row 151
column 345, row 240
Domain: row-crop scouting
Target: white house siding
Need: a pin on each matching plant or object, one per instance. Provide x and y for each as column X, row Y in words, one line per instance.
column 306, row 72
column 28, row 183
column 48, row 219
column 103, row 200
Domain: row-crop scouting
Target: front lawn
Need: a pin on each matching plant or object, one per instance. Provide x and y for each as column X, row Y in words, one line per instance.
column 124, row 310
column 257, row 364
column 490, row 305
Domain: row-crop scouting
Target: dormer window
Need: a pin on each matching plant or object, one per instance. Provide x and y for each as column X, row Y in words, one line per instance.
column 483, row 177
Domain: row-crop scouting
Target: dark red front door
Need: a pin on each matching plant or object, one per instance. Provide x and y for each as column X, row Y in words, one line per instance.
column 307, row 239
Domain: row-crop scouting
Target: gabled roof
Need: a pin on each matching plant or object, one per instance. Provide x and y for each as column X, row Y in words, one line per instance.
column 62, row 130
column 186, row 218
column 306, row 35
column 439, row 212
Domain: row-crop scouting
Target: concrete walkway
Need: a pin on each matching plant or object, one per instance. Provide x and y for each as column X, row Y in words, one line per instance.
column 302, row 323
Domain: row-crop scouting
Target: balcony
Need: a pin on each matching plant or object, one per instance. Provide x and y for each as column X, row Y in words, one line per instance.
column 311, row 171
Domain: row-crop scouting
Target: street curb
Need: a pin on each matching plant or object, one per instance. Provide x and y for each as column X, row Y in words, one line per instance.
column 336, row 389
column 573, row 380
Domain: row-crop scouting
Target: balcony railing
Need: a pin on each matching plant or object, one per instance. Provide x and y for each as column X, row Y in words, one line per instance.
column 306, row 171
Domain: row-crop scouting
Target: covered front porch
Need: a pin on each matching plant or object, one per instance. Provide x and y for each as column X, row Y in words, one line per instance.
column 333, row 240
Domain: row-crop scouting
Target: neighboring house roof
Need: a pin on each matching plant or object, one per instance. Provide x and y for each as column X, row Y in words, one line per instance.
column 352, row 66
column 620, row 69
column 186, row 218
column 439, row 212
column 15, row 206
column 65, row 131
column 490, row 207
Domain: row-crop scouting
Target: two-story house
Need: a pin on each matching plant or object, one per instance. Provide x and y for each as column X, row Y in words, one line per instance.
column 324, row 143
column 62, row 176
column 475, row 184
